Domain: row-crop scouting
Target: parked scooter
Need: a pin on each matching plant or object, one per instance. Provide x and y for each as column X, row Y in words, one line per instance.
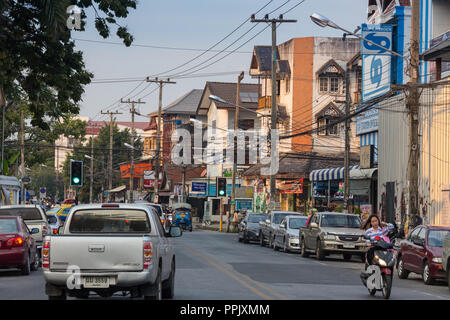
column 379, row 274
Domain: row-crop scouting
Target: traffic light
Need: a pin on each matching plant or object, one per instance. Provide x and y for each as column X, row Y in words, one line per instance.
column 76, row 173
column 221, row 184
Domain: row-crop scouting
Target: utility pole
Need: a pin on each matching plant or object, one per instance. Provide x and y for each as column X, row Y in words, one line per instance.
column 110, row 159
column 22, row 152
column 236, row 128
column 3, row 106
column 91, row 171
column 158, row 136
column 274, row 85
column 184, row 184
column 412, row 106
column 347, row 140
column 133, row 133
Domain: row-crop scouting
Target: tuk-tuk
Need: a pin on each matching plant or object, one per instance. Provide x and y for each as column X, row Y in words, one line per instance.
column 182, row 215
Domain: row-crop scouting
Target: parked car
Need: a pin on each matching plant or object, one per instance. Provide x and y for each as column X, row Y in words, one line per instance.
column 54, row 222
column 33, row 216
column 248, row 227
column 266, row 229
column 446, row 257
column 287, row 233
column 333, row 232
column 421, row 252
column 17, row 246
column 117, row 247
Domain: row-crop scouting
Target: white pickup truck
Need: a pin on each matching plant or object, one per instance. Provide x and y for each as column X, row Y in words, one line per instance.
column 107, row 248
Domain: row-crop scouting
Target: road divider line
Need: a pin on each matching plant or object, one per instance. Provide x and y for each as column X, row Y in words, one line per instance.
column 269, row 290
column 230, row 274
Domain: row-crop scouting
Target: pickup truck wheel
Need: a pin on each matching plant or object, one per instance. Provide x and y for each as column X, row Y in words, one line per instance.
column 245, row 237
column 25, row 269
column 274, row 246
column 156, row 289
column 320, row 255
column 303, row 246
column 168, row 289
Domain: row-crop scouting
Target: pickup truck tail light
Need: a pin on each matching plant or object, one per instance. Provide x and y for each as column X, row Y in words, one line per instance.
column 148, row 253
column 15, row 242
column 46, row 255
column 44, row 231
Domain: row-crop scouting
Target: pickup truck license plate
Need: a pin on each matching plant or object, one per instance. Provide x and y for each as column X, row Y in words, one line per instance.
column 349, row 245
column 96, row 282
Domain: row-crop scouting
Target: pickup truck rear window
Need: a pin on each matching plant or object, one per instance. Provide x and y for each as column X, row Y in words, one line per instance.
column 109, row 221
column 25, row 213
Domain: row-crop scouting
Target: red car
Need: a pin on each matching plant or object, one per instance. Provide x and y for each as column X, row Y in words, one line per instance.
column 17, row 246
column 421, row 253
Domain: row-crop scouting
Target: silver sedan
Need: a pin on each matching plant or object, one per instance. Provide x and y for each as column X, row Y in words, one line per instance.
column 286, row 235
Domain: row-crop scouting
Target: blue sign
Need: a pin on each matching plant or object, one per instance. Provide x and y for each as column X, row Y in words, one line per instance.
column 199, row 187
column 376, row 61
column 367, row 121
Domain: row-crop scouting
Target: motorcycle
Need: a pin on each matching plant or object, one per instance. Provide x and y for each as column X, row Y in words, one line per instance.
column 378, row 275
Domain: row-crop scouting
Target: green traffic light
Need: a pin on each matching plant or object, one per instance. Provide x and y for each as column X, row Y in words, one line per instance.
column 76, row 180
column 221, row 192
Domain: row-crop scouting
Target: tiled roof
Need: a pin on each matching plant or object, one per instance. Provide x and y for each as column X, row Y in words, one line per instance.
column 227, row 91
column 263, row 56
column 187, row 104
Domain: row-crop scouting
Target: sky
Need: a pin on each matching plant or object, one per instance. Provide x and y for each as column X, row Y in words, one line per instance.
column 191, row 24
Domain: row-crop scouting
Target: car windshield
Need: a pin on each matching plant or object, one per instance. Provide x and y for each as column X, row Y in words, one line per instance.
column 255, row 218
column 436, row 237
column 278, row 217
column 8, row 226
column 297, row 223
column 340, row 221
column 52, row 219
column 109, row 221
column 25, row 213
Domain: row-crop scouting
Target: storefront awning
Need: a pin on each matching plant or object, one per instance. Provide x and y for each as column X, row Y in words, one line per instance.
column 118, row 189
column 338, row 173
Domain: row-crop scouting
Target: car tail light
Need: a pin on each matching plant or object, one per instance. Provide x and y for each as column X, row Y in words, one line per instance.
column 14, row 242
column 44, row 231
column 147, row 253
column 110, row 206
column 46, row 255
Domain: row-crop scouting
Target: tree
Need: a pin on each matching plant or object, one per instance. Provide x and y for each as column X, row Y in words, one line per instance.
column 121, row 155
column 44, row 176
column 39, row 65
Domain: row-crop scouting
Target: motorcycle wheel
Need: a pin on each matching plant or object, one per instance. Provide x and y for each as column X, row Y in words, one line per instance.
column 387, row 285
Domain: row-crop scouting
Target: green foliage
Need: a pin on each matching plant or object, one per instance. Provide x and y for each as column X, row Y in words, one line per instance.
column 358, row 211
column 121, row 155
column 338, row 208
column 45, row 177
column 39, row 66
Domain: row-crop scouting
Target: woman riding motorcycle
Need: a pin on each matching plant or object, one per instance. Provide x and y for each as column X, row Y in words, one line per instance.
column 377, row 229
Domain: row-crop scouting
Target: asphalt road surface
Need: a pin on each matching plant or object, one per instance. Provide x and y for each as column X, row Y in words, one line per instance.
column 213, row 265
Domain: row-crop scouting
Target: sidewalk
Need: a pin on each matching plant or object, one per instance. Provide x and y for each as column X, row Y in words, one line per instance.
column 214, row 226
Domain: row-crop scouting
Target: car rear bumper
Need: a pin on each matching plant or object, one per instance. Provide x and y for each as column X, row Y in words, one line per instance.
column 117, row 279
column 12, row 257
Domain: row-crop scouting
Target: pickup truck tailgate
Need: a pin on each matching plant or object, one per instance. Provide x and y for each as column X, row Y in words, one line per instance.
column 97, row 253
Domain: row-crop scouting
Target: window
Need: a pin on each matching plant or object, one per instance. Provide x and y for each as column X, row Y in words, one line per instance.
column 334, row 85
column 323, row 81
column 324, row 127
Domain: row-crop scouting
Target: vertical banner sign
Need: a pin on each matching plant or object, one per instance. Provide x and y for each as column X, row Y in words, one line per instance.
column 376, row 62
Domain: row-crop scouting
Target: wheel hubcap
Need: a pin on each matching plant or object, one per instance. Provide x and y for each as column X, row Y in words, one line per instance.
column 426, row 273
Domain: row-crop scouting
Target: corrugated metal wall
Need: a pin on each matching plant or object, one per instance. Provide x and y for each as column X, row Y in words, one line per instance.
column 392, row 151
column 434, row 132
column 434, row 162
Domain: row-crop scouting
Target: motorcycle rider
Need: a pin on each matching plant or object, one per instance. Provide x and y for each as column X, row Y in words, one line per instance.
column 377, row 228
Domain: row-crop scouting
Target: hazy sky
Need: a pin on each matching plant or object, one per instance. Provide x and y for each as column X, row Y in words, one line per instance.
column 193, row 24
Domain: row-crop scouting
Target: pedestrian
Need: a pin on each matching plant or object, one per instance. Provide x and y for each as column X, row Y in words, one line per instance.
column 235, row 221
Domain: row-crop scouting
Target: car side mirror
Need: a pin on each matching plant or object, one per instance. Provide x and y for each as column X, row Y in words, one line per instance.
column 175, row 231
column 314, row 225
column 34, row 231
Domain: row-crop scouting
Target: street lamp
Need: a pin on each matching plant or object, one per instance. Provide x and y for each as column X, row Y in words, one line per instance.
column 323, row 22
column 128, row 145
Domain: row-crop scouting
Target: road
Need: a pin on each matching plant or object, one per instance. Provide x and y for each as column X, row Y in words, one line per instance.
column 213, row 265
